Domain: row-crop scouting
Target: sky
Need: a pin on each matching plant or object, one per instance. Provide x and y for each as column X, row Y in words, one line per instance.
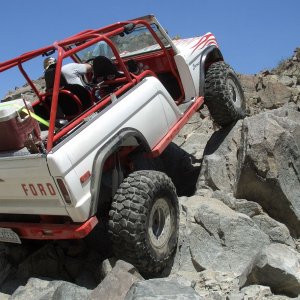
column 253, row 35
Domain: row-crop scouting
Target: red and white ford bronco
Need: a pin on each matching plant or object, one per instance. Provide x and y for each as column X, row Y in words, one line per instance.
column 76, row 156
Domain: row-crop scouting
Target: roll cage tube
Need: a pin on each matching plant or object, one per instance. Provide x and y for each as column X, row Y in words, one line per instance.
column 54, row 104
column 29, row 81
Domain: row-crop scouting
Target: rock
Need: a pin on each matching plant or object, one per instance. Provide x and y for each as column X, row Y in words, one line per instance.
column 211, row 284
column 182, row 168
column 275, row 95
column 297, row 242
column 213, row 238
column 193, row 137
column 215, row 282
column 268, row 91
column 86, row 279
column 45, row 262
column 107, row 266
column 4, row 296
column 117, row 283
column 261, row 165
column 195, row 143
column 26, row 91
column 220, row 163
column 51, row 290
column 276, row 231
column 161, row 289
column 270, row 172
column 5, row 267
column 256, row 292
column 279, row 268
column 288, row 80
column 249, row 84
column 243, row 206
column 281, row 297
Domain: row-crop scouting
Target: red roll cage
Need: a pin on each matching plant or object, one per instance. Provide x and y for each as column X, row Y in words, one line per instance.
column 82, row 41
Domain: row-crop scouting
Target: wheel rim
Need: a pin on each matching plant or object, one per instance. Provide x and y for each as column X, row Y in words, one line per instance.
column 235, row 94
column 160, row 221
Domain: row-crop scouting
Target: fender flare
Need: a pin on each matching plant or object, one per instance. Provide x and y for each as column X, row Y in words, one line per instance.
column 211, row 53
column 103, row 153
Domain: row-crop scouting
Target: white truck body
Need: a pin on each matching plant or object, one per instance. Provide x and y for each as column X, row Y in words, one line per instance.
column 28, row 182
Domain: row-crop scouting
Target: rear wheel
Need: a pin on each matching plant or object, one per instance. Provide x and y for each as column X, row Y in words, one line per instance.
column 143, row 221
column 224, row 95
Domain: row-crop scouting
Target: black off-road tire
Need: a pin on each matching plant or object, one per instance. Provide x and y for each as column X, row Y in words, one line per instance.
column 143, row 221
column 224, row 95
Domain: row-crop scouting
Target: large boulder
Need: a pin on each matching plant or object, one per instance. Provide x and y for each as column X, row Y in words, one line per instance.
column 258, row 159
column 270, row 172
column 279, row 268
column 212, row 237
column 220, row 162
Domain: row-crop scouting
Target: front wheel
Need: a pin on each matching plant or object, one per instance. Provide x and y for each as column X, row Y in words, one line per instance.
column 143, row 221
column 224, row 95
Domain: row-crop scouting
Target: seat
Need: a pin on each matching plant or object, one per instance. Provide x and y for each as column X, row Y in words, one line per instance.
column 105, row 69
column 105, row 72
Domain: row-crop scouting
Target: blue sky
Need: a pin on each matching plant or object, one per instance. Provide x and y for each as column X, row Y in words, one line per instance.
column 253, row 35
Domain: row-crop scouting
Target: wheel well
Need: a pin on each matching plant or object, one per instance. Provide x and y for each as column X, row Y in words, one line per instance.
column 210, row 55
column 112, row 164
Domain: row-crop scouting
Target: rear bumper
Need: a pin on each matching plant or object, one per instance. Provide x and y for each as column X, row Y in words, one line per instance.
column 44, row 231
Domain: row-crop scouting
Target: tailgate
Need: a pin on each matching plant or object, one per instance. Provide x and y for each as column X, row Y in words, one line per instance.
column 26, row 187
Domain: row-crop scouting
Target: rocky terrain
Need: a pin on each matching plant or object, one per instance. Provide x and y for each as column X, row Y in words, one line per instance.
column 239, row 223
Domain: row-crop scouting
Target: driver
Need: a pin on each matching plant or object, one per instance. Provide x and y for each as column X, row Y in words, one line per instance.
column 72, row 72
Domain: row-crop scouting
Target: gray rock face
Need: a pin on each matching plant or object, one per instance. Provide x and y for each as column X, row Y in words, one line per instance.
column 279, row 268
column 217, row 238
column 270, row 174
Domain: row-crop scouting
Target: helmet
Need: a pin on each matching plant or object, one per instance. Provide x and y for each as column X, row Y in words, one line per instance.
column 48, row 62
